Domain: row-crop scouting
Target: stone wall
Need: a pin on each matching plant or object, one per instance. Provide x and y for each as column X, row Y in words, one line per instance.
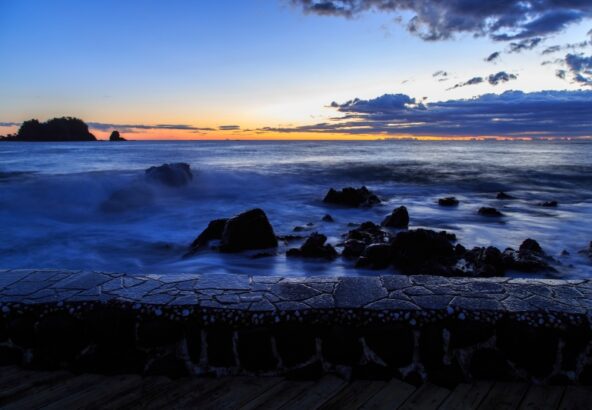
column 416, row 328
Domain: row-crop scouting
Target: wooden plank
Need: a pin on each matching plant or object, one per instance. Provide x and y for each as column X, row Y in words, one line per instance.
column 390, row 396
column 232, row 394
column 319, row 393
column 428, row 396
column 467, row 396
column 45, row 395
column 278, row 395
column 21, row 381
column 542, row 397
column 354, row 395
column 504, row 396
column 174, row 393
column 576, row 398
column 96, row 394
column 150, row 385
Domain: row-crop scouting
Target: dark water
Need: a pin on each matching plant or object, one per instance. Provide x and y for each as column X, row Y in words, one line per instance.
column 51, row 196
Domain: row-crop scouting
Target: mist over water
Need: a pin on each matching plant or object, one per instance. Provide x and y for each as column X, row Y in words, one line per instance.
column 53, row 197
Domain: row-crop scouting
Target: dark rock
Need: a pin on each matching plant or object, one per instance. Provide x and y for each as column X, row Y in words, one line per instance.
column 549, row 204
column 399, row 218
column 289, row 238
column 116, row 137
column 488, row 211
column 485, row 262
column 127, row 199
column 174, row 174
column 530, row 257
column 503, row 195
column 375, row 256
column 352, row 248
column 423, row 251
column 352, row 197
column 314, row 247
column 448, row 201
column 56, row 129
column 300, row 228
column 328, row 218
column 213, row 231
column 368, row 232
column 248, row 230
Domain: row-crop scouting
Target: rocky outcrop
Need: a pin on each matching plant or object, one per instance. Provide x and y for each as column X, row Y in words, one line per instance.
column 448, row 201
column 399, row 218
column 174, row 174
column 56, row 129
column 530, row 257
column 504, row 196
column 248, row 230
column 315, row 246
column 422, row 251
column 116, row 137
column 488, row 211
column 375, row 256
column 213, row 231
column 352, row 197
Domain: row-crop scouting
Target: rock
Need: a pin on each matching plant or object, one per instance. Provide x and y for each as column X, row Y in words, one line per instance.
column 328, row 218
column 399, row 218
column 375, row 256
column 213, row 231
column 174, row 174
column 530, row 257
column 487, row 211
column 530, row 245
column 314, row 247
column 549, row 204
column 448, row 201
column 352, row 248
column 368, row 232
column 352, row 197
column 485, row 262
column 248, row 230
column 127, row 199
column 503, row 195
column 116, row 137
column 423, row 251
column 299, row 228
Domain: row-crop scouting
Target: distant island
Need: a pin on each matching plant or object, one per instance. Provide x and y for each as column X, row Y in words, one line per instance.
column 116, row 137
column 56, row 129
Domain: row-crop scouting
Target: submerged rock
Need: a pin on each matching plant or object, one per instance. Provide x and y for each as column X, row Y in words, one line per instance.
column 352, row 197
column 448, row 201
column 422, row 251
column 503, row 195
column 314, row 247
column 126, row 199
column 328, row 218
column 488, row 211
column 174, row 174
column 399, row 218
column 549, row 204
column 248, row 230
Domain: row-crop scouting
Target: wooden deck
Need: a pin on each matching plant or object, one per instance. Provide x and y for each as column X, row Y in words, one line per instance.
column 23, row 389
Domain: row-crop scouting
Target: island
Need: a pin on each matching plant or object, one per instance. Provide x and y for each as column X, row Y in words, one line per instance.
column 115, row 136
column 55, row 129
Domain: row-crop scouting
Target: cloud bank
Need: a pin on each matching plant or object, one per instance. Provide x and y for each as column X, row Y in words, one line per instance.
column 501, row 20
column 511, row 114
column 101, row 126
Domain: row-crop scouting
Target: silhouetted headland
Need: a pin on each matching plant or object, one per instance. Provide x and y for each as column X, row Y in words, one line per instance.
column 56, row 129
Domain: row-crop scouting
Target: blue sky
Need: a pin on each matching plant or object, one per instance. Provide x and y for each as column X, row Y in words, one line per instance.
column 262, row 64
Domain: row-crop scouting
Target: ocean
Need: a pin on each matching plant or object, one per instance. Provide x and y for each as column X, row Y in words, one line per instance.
column 52, row 198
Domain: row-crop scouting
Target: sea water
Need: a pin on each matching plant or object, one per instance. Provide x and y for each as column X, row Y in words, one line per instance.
column 53, row 195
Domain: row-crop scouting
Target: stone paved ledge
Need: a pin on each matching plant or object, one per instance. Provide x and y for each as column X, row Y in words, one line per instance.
column 416, row 327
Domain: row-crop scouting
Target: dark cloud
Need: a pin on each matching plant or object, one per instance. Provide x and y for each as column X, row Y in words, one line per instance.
column 9, row 124
column 580, row 67
column 133, row 127
column 560, row 74
column 523, row 45
column 551, row 50
column 493, row 79
column 502, row 20
column 440, row 75
column 229, row 127
column 501, row 77
column 511, row 114
column 569, row 46
column 493, row 57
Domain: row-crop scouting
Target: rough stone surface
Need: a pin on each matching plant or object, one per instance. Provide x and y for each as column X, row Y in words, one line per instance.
column 432, row 328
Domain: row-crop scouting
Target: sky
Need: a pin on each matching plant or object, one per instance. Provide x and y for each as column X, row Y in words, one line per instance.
column 298, row 69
